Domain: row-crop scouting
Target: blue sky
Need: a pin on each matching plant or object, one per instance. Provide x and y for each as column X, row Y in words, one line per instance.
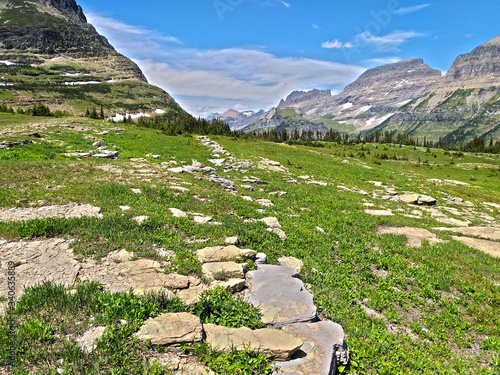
column 212, row 55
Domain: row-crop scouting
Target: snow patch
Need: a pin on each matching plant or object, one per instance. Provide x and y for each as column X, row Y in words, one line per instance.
column 72, row 74
column 118, row 117
column 345, row 106
column 5, row 62
column 82, row 83
column 159, row 111
column 6, row 84
column 362, row 110
column 56, row 58
column 403, row 103
column 377, row 121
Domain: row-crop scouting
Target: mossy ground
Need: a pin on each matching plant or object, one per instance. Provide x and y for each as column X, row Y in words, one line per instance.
column 440, row 303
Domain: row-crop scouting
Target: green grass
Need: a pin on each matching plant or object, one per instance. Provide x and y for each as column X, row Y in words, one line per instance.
column 442, row 301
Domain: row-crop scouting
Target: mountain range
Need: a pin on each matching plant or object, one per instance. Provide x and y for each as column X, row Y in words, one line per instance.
column 407, row 96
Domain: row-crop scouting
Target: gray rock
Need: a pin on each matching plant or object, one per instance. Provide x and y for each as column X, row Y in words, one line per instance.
column 224, row 182
column 282, row 297
column 323, row 350
column 88, row 341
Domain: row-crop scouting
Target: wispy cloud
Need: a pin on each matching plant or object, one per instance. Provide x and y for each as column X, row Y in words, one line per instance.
column 201, row 79
column 243, row 76
column 386, row 43
column 285, row 4
column 413, row 9
column 277, row 2
column 125, row 36
column 336, row 44
column 314, row 26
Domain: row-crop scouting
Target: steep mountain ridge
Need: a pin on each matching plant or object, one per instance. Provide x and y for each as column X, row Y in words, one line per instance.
column 407, row 96
column 50, row 54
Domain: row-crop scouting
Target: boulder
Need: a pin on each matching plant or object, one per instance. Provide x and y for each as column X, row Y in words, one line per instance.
column 265, row 202
column 177, row 213
column 232, row 240
column 426, row 200
column 291, row 262
column 324, row 349
column 282, row 297
column 202, row 219
column 410, row 198
column 271, row 342
column 171, row 328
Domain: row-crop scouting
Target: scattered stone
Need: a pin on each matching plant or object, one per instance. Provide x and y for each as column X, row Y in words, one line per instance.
column 202, row 219
column 232, row 240
column 176, row 170
column 291, row 262
column 232, row 270
column 97, row 144
column 324, row 349
column 270, row 342
column 487, row 246
column 191, row 169
column 177, row 213
column 196, row 163
column 254, row 181
column 124, row 208
column 376, row 183
column 426, row 200
column 282, row 297
column 410, row 198
column 67, row 211
column 192, row 295
column 180, row 188
column 171, row 328
column 304, row 177
column 88, row 341
column 106, row 154
column 494, row 205
column 265, row 202
column 217, row 162
column 136, row 191
column 379, row 212
column 280, row 232
column 224, row 182
column 271, row 222
column 140, row 219
column 319, row 229
column 247, row 198
column 454, row 222
column 271, row 165
column 231, row 285
column 414, row 235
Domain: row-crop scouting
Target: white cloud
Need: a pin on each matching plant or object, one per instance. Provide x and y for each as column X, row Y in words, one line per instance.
column 408, row 10
column 314, row 26
column 388, row 42
column 285, row 4
column 337, row 44
column 124, row 36
column 219, row 79
column 242, row 75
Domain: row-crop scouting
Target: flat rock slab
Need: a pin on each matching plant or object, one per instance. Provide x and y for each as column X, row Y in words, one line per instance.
column 414, row 235
column 282, row 297
column 379, row 212
column 38, row 261
column 271, row 342
column 323, row 350
column 487, row 246
column 171, row 328
column 66, row 211
column 219, row 253
column 488, row 233
column 232, row 270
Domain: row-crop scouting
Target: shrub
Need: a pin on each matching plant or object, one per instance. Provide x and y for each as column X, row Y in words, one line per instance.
column 217, row 306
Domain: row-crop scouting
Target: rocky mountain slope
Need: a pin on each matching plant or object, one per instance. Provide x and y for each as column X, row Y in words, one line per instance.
column 464, row 104
column 49, row 54
column 407, row 96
